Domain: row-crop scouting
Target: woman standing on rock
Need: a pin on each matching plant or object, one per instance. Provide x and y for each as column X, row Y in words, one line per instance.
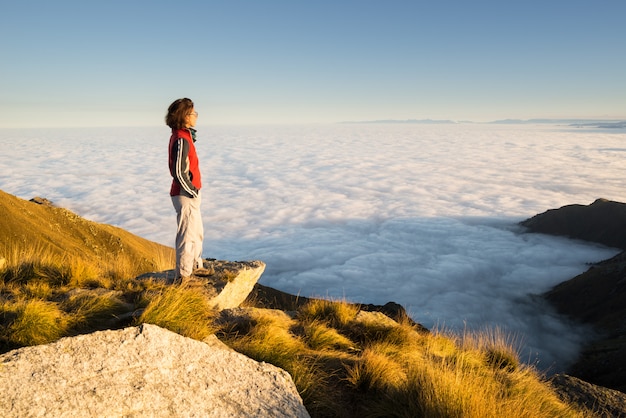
column 186, row 185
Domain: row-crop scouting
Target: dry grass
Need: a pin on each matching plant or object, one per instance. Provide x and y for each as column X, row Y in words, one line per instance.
column 183, row 309
column 92, row 310
column 268, row 335
column 372, row 369
column 32, row 322
column 319, row 336
column 336, row 313
column 45, row 295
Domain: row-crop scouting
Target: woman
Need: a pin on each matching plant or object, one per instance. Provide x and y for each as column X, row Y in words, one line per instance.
column 186, row 185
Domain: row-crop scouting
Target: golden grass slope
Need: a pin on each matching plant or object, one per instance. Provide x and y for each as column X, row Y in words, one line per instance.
column 25, row 225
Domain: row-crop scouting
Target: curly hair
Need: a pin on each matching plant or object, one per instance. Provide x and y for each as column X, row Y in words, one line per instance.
column 177, row 113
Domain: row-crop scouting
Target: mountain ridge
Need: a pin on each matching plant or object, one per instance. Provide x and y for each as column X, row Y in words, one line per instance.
column 596, row 296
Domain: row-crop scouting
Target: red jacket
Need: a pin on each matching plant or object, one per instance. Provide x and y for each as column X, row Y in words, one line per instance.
column 183, row 162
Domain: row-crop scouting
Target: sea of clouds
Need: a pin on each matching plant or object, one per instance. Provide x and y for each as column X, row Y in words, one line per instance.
column 423, row 215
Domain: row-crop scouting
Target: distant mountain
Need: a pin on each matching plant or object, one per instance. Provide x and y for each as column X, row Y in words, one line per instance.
column 579, row 123
column 407, row 121
column 597, row 296
column 604, row 125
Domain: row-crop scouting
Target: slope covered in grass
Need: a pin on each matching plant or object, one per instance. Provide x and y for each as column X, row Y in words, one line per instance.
column 64, row 275
column 28, row 226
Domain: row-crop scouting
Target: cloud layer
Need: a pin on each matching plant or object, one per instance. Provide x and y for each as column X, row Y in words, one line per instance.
column 421, row 215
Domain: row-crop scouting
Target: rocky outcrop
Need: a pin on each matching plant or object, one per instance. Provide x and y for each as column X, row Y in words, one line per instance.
column 267, row 297
column 597, row 296
column 232, row 280
column 226, row 283
column 598, row 400
column 142, row 371
column 603, row 221
column 42, row 201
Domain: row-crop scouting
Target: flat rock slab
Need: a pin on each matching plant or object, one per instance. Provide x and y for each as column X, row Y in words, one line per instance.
column 227, row 282
column 233, row 281
column 142, row 371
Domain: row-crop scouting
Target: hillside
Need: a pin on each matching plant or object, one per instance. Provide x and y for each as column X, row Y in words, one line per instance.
column 596, row 296
column 64, row 276
column 27, row 226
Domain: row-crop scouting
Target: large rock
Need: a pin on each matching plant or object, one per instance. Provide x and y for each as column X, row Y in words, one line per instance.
column 226, row 283
column 142, row 371
column 232, row 280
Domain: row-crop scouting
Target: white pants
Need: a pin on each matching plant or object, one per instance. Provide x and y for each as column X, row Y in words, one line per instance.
column 189, row 235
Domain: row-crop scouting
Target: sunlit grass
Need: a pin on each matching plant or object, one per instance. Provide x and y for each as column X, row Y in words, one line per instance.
column 32, row 322
column 335, row 313
column 45, row 296
column 390, row 369
column 319, row 336
column 182, row 309
column 267, row 336
column 344, row 362
column 28, row 262
column 437, row 377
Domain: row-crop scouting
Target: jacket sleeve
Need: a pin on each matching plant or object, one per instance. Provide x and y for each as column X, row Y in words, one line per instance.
column 181, row 167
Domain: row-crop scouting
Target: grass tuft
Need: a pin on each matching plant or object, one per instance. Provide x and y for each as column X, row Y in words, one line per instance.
column 32, row 322
column 319, row 336
column 336, row 313
column 181, row 309
column 91, row 310
column 375, row 371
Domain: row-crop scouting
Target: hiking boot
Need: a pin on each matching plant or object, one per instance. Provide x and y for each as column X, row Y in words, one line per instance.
column 203, row 272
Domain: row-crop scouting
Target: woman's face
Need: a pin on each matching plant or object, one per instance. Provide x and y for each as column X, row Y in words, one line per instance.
column 191, row 118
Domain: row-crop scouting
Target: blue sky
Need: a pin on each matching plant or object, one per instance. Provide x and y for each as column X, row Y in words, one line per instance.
column 109, row 63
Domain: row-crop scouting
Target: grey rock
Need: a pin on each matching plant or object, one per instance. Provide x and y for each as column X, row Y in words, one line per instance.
column 143, row 371
column 42, row 201
column 599, row 400
column 228, row 283
column 232, row 280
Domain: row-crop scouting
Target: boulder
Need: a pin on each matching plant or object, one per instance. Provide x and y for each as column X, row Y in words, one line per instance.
column 227, row 283
column 232, row 280
column 142, row 371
